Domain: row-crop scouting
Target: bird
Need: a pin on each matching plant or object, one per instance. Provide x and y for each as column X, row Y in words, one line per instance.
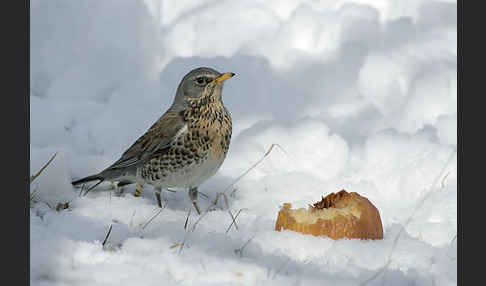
column 184, row 147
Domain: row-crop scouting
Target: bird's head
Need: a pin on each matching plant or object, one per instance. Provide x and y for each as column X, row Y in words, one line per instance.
column 202, row 82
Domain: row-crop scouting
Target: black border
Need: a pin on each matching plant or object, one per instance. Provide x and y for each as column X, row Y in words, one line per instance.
column 15, row 134
column 470, row 91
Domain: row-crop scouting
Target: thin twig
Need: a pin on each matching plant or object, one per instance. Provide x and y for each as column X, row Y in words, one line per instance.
column 187, row 219
column 32, row 194
column 62, row 206
column 239, row 251
column 192, row 229
column 107, row 235
column 203, row 194
column 81, row 189
column 32, row 178
column 153, row 217
column 450, row 246
column 131, row 219
column 94, row 186
column 226, row 202
column 453, row 239
column 234, row 220
column 443, row 180
column 176, row 245
column 232, row 194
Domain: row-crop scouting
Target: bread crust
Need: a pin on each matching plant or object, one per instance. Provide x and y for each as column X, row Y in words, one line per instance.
column 341, row 215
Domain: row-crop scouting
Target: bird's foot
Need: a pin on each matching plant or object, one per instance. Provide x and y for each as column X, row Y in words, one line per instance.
column 159, row 201
column 157, row 195
column 112, row 186
column 193, row 196
column 138, row 190
column 196, row 207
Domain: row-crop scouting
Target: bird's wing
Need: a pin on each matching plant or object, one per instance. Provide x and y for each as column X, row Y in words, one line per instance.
column 161, row 135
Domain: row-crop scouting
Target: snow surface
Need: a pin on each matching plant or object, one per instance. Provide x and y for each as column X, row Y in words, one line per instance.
column 358, row 94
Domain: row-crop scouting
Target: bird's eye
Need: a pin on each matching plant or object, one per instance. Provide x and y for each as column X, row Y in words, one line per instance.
column 200, row 80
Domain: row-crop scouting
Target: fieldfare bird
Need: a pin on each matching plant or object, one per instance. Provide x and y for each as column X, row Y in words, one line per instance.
column 185, row 147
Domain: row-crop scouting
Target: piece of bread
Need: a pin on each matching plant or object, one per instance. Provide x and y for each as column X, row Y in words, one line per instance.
column 336, row 216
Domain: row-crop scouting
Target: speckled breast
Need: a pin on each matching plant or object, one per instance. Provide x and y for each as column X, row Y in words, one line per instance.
column 196, row 154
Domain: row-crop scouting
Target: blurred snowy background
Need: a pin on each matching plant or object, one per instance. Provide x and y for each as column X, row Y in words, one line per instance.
column 361, row 95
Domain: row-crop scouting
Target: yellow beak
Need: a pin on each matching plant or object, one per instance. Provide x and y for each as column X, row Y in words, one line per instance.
column 224, row 77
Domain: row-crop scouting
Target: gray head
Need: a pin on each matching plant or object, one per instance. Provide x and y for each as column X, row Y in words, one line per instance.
column 198, row 82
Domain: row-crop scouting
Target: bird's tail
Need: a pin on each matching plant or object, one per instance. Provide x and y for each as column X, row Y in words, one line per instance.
column 88, row 179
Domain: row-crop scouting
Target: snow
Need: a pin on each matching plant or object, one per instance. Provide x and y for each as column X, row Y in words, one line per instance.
column 356, row 94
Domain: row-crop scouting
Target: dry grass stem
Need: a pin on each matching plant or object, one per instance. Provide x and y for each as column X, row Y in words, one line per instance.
column 233, row 220
column 203, row 194
column 239, row 251
column 226, row 202
column 187, row 218
column 83, row 186
column 175, row 245
column 131, row 219
column 232, row 194
column 32, row 178
column 107, row 235
column 154, row 216
column 94, row 186
column 62, row 206
column 443, row 180
column 32, row 195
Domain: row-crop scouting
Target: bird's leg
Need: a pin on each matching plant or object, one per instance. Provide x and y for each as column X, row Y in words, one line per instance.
column 193, row 196
column 138, row 190
column 119, row 188
column 158, row 190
